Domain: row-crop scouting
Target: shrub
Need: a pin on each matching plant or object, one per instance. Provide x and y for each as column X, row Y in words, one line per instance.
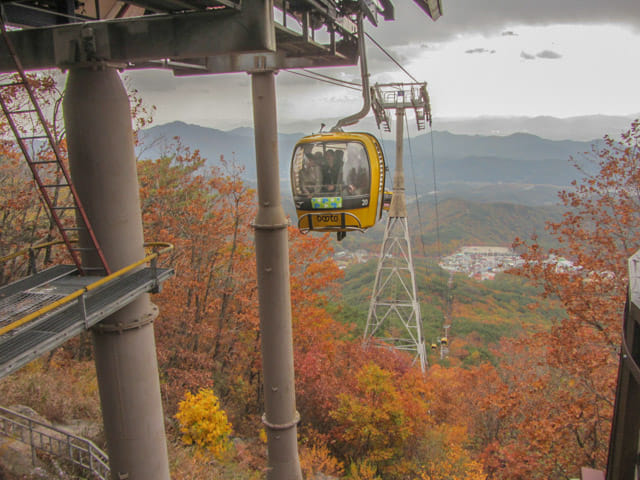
column 203, row 423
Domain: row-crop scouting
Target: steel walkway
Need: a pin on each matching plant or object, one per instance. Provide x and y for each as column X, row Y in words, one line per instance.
column 74, row 303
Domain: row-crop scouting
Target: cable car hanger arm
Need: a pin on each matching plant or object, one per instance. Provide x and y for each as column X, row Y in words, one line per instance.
column 364, row 72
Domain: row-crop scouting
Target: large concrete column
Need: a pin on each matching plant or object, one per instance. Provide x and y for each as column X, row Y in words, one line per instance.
column 272, row 261
column 103, row 168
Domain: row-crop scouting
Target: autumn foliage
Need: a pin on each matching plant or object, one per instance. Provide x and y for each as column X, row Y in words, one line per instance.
column 541, row 410
column 203, row 423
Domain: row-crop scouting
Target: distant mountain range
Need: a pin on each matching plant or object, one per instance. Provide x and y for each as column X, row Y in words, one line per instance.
column 519, row 168
column 583, row 127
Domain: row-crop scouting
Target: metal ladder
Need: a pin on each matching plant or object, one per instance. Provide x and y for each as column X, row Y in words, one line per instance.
column 49, row 172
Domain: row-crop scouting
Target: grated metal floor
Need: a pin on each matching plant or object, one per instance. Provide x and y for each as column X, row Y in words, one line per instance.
column 20, row 346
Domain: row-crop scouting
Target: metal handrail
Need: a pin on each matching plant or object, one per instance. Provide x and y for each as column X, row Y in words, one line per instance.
column 165, row 247
column 46, row 438
column 28, row 250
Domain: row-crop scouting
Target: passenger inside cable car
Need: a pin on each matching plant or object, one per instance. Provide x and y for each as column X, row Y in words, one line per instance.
column 337, row 171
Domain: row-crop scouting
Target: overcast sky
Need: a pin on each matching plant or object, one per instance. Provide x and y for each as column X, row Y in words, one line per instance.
column 561, row 58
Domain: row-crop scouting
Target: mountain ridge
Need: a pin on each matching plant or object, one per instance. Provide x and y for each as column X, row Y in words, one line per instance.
column 519, row 159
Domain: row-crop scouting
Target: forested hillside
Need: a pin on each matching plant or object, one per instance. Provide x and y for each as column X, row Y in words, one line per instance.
column 519, row 168
column 483, row 313
column 526, row 393
column 463, row 222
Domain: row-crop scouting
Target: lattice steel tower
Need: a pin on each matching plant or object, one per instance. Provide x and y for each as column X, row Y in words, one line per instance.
column 394, row 312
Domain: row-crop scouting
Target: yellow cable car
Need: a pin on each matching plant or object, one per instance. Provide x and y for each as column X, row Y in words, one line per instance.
column 337, row 180
column 434, row 347
column 444, row 341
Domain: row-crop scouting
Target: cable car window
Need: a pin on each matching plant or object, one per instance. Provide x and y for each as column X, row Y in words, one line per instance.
column 328, row 173
column 355, row 171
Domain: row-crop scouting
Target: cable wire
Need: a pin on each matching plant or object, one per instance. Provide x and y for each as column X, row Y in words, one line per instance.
column 331, row 78
column 391, row 57
column 435, row 196
column 322, row 80
column 415, row 187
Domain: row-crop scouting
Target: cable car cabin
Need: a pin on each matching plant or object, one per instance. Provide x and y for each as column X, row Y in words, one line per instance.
column 434, row 346
column 337, row 180
column 444, row 341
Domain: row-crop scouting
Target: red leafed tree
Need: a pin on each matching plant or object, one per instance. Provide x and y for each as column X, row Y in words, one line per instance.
column 23, row 218
column 559, row 384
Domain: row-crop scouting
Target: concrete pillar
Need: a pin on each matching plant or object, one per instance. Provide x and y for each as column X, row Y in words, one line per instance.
column 272, row 262
column 103, row 168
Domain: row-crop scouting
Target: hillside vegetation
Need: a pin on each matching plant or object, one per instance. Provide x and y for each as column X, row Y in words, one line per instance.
column 482, row 313
column 464, row 222
column 526, row 394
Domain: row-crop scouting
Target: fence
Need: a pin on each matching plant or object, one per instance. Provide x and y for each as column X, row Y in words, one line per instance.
column 45, row 438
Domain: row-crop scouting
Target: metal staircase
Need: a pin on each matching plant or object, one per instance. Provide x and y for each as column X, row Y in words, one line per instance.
column 42, row 154
column 53, row 441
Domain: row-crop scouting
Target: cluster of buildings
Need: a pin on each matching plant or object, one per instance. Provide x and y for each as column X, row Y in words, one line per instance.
column 480, row 262
column 344, row 258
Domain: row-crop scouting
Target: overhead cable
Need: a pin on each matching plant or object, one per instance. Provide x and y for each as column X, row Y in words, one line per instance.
column 391, row 57
column 323, row 80
column 415, row 187
column 331, row 78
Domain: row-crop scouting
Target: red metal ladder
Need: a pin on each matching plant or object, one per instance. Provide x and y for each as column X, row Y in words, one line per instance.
column 51, row 186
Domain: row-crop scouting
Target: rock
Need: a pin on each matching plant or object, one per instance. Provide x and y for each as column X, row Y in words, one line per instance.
column 83, row 428
column 15, row 458
column 322, row 476
column 28, row 412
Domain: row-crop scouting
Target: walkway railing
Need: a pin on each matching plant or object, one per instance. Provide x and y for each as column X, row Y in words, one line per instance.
column 159, row 248
column 48, row 439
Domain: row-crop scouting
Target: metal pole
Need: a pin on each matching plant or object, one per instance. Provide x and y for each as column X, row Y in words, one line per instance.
column 103, row 167
column 272, row 261
column 364, row 74
column 398, row 207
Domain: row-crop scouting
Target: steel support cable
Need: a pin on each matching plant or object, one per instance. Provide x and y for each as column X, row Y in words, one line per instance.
column 311, row 72
column 435, row 194
column 391, row 57
column 166, row 247
column 415, row 187
column 323, row 80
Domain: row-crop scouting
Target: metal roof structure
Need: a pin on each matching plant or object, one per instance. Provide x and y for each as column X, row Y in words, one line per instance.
column 190, row 37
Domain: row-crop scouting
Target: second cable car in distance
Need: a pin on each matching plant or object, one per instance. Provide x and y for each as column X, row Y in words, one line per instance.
column 337, row 180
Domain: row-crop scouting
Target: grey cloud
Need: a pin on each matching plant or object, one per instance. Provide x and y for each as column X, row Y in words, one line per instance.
column 495, row 16
column 479, row 50
column 550, row 54
column 527, row 56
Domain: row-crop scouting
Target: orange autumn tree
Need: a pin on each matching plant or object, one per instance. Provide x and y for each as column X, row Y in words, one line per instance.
column 207, row 331
column 559, row 384
column 23, row 218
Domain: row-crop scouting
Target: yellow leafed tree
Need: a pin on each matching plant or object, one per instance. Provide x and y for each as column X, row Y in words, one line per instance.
column 203, row 422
